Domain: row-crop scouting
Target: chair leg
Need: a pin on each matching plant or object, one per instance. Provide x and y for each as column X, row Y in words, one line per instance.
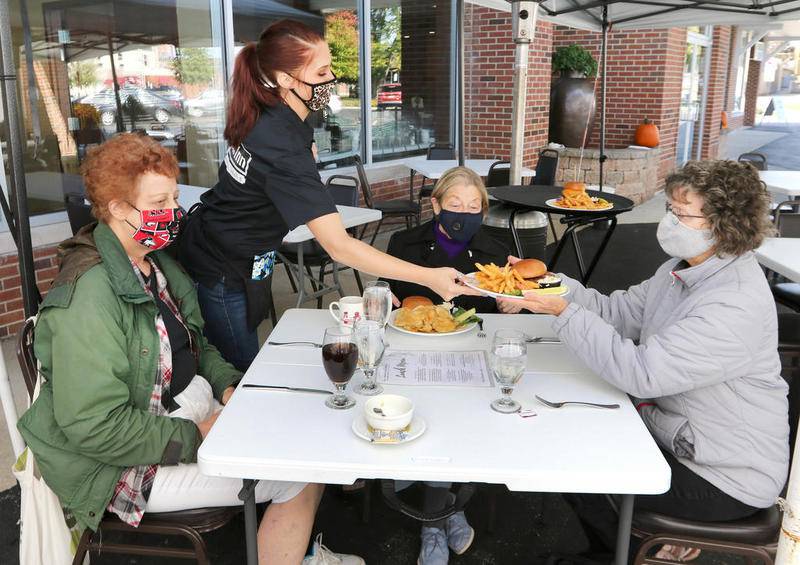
column 291, row 278
column 83, row 547
column 321, row 282
column 359, row 283
column 197, row 542
column 375, row 235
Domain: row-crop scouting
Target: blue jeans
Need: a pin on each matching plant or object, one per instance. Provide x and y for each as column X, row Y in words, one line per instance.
column 225, row 313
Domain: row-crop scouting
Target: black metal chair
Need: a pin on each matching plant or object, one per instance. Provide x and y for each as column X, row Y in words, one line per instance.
column 188, row 524
column 79, row 211
column 401, row 208
column 499, row 174
column 436, row 152
column 787, row 222
column 758, row 160
column 546, row 168
column 344, row 190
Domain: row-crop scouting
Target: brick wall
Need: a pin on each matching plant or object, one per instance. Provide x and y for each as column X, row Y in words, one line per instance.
column 751, row 92
column 488, row 84
column 717, row 85
column 11, row 312
column 644, row 72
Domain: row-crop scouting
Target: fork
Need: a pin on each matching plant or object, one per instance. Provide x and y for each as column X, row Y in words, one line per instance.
column 529, row 339
column 560, row 404
column 481, row 333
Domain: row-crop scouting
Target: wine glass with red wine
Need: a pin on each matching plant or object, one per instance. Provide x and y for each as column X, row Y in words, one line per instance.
column 340, row 358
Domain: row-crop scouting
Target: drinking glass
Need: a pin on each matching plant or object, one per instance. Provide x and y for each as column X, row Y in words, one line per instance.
column 339, row 357
column 377, row 302
column 508, row 358
column 369, row 339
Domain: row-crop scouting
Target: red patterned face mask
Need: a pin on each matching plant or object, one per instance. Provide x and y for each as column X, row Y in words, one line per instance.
column 158, row 228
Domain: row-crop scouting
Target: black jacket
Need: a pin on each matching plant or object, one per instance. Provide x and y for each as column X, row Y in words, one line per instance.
column 418, row 245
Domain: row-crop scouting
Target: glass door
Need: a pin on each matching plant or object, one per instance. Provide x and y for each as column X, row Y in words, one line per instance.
column 692, row 96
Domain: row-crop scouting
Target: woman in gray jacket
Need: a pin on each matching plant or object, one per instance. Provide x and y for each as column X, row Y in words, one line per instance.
column 696, row 346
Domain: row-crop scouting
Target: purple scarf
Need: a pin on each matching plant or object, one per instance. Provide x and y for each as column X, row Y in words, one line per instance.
column 450, row 246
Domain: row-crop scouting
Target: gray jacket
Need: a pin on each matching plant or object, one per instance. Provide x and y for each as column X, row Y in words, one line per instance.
column 701, row 343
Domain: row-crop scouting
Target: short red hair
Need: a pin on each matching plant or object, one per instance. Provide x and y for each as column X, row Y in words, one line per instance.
column 112, row 170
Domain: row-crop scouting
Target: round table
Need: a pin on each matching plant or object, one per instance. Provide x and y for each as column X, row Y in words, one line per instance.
column 525, row 198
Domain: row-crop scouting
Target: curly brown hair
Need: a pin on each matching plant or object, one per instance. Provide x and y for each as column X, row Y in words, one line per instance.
column 735, row 202
column 112, row 169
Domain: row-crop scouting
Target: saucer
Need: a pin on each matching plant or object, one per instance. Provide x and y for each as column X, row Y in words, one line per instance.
column 415, row 429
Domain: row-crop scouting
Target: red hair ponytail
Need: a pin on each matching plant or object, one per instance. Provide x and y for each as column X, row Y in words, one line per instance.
column 283, row 46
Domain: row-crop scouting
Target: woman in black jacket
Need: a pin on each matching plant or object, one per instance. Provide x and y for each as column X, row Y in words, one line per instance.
column 454, row 238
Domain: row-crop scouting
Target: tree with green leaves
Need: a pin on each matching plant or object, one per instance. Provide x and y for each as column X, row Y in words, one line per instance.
column 192, row 65
column 386, row 43
column 82, row 74
column 341, row 33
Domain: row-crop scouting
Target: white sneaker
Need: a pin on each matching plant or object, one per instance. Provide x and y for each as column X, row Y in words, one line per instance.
column 321, row 555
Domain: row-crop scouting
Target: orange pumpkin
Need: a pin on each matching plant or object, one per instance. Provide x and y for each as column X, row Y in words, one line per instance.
column 647, row 134
column 724, row 120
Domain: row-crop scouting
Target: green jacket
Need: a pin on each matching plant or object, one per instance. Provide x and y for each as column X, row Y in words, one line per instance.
column 98, row 348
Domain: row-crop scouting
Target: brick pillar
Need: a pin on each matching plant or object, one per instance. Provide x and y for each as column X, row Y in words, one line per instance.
column 716, row 83
column 751, row 92
column 488, row 83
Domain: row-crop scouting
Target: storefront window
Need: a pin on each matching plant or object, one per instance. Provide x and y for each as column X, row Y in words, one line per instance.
column 411, row 76
column 92, row 69
column 337, row 128
column 742, row 68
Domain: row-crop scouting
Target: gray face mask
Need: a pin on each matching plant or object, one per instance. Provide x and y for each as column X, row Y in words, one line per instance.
column 681, row 241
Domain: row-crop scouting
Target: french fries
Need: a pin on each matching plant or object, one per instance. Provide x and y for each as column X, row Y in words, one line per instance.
column 502, row 280
column 582, row 200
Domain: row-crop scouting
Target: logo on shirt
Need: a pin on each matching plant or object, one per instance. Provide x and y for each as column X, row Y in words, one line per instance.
column 237, row 163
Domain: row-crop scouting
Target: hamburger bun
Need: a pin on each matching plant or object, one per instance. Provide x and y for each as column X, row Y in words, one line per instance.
column 412, row 302
column 529, row 268
column 574, row 188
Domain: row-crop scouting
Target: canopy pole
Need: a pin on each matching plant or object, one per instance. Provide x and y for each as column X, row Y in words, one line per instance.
column 460, row 78
column 523, row 16
column 603, row 84
column 20, row 194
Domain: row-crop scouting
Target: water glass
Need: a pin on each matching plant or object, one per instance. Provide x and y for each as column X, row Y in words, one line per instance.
column 509, row 355
column 377, row 302
column 371, row 346
column 339, row 357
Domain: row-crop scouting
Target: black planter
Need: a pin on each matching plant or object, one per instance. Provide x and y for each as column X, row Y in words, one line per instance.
column 572, row 106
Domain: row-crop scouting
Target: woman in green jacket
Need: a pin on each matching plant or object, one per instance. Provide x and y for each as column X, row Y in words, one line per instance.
column 130, row 385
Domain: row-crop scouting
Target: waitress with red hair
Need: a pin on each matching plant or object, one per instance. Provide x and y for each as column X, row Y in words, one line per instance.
column 269, row 185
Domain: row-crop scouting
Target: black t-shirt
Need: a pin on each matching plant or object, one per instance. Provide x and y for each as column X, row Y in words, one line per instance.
column 267, row 186
column 184, row 364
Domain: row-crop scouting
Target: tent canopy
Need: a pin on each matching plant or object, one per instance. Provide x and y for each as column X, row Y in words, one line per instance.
column 629, row 14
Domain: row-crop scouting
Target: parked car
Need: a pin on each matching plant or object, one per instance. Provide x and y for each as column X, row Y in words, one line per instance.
column 161, row 109
column 390, row 95
column 209, row 102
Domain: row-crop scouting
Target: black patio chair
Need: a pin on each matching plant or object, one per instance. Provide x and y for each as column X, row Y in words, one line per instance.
column 400, row 208
column 436, row 152
column 188, row 524
column 79, row 211
column 499, row 174
column 758, row 160
column 344, row 190
column 546, row 169
column 787, row 222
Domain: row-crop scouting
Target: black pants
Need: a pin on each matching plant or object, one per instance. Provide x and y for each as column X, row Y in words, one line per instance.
column 690, row 497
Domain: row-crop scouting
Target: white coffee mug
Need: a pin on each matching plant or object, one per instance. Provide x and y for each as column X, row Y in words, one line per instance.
column 347, row 310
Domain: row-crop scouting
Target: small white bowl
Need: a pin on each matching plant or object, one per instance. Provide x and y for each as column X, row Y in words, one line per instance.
column 397, row 412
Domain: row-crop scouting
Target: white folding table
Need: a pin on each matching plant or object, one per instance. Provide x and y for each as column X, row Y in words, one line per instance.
column 782, row 182
column 782, row 255
column 351, row 217
column 270, row 435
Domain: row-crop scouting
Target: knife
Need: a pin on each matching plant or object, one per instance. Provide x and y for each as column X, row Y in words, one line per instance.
column 286, row 388
column 542, row 340
column 309, row 343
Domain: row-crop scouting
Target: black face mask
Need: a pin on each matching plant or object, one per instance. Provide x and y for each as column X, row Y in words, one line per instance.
column 460, row 226
column 320, row 94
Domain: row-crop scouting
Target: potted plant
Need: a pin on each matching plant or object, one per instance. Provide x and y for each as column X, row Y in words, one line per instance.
column 572, row 101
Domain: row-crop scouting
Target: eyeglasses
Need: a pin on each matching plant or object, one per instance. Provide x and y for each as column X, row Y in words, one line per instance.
column 669, row 208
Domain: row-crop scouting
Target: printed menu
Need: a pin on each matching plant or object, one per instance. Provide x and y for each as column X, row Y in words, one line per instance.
column 439, row 368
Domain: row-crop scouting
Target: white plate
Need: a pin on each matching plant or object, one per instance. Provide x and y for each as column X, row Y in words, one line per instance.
column 472, row 282
column 552, row 204
column 415, row 429
column 463, row 329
